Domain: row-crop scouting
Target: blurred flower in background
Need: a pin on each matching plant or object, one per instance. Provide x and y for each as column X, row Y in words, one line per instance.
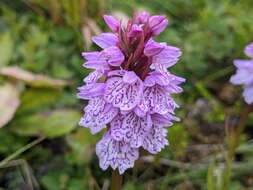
column 244, row 74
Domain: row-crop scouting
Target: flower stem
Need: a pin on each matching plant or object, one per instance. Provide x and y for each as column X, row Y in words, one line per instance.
column 117, row 179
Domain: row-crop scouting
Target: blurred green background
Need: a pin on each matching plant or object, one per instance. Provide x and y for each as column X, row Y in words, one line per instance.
column 41, row 145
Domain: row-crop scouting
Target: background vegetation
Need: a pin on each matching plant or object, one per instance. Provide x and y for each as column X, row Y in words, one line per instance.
column 41, row 145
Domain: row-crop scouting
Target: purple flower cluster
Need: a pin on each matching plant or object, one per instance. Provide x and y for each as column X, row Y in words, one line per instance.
column 129, row 91
column 244, row 74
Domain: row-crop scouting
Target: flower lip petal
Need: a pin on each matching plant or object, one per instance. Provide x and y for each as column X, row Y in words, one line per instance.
column 123, row 95
column 116, row 154
column 156, row 140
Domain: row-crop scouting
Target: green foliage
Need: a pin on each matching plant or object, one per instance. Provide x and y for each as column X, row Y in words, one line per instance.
column 30, row 103
column 6, row 49
column 49, row 123
column 10, row 142
column 178, row 138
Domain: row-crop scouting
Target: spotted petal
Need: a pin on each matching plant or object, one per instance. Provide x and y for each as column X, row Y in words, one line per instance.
column 156, row 140
column 93, row 76
column 131, row 128
column 98, row 113
column 165, row 120
column 116, row 154
column 123, row 95
column 169, row 81
column 91, row 90
column 157, row 100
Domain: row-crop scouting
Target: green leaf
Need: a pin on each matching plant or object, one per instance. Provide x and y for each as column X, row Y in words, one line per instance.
column 6, row 49
column 30, row 103
column 50, row 124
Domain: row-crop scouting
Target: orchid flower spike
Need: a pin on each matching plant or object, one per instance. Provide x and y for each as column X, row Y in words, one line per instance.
column 129, row 91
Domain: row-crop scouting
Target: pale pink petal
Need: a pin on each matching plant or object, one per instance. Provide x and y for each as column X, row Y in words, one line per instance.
column 116, row 154
column 135, row 30
column 112, row 23
column 157, row 100
column 249, row 50
column 131, row 128
column 97, row 64
column 105, row 40
column 165, row 79
column 244, row 64
column 123, row 95
column 168, row 57
column 130, row 77
column 153, row 48
column 91, row 90
column 165, row 120
column 248, row 94
column 117, row 73
column 157, row 24
column 93, row 76
column 242, row 76
column 141, row 17
column 98, row 113
column 112, row 55
column 156, row 140
column 91, row 56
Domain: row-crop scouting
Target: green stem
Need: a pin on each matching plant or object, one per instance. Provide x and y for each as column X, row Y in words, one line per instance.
column 233, row 141
column 117, row 179
column 21, row 150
